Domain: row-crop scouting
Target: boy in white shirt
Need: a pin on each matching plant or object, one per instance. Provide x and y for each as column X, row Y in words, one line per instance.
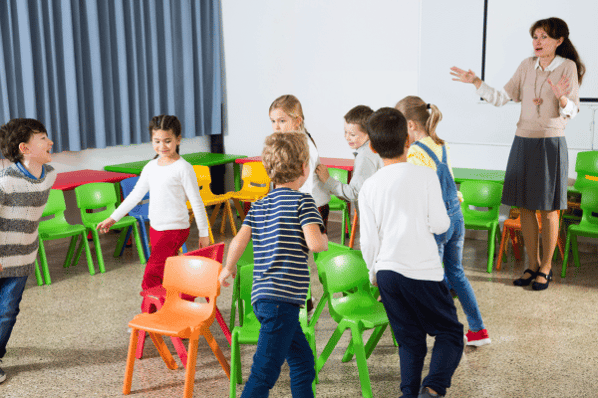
column 401, row 209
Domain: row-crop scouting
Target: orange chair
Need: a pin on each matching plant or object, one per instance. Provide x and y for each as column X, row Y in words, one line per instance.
column 256, row 185
column 511, row 226
column 195, row 276
column 153, row 299
column 210, row 199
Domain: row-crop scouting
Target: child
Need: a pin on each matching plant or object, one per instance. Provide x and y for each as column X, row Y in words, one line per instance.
column 427, row 150
column 24, row 190
column 284, row 226
column 171, row 181
column 401, row 209
column 286, row 115
column 366, row 161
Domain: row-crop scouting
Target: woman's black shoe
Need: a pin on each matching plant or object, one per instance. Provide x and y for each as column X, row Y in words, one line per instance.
column 525, row 281
column 542, row 286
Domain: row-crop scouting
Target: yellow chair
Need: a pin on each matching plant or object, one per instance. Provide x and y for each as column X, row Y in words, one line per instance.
column 256, row 185
column 210, row 199
column 195, row 276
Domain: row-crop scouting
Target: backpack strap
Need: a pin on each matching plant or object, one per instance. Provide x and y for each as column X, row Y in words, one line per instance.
column 444, row 159
column 430, row 152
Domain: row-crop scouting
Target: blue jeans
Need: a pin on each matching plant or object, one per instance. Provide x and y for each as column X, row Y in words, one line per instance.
column 281, row 337
column 417, row 308
column 11, row 293
column 451, row 253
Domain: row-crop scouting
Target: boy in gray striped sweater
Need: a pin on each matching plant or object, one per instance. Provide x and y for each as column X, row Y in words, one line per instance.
column 24, row 189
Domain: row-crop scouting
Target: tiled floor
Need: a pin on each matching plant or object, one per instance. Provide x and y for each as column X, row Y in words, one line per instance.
column 71, row 337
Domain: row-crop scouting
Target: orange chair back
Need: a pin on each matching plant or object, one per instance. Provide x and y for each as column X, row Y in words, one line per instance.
column 255, row 172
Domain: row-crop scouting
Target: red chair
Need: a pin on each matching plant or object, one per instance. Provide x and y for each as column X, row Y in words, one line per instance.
column 153, row 299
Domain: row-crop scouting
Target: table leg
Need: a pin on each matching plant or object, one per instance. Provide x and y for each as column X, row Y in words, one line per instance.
column 237, row 174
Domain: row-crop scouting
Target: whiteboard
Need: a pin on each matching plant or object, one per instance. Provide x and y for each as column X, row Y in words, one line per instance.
column 508, row 41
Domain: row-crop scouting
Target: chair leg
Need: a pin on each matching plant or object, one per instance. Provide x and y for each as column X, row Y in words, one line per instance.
column 96, row 242
column 575, row 250
column 566, row 256
column 362, row 365
column 163, row 350
column 343, row 227
column 144, row 239
column 130, row 363
column 353, row 230
column 85, row 244
column 329, row 348
column 140, row 252
column 491, row 248
column 124, row 237
column 373, row 340
column 229, row 210
column 70, row 252
column 501, row 249
column 44, row 261
column 38, row 275
column 180, row 349
column 318, row 311
column 190, row 373
column 223, row 325
column 140, row 344
column 215, row 212
column 234, row 368
column 217, row 352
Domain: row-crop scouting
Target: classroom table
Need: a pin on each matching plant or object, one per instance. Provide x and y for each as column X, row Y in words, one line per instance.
column 338, row 163
column 69, row 180
column 463, row 174
column 196, row 159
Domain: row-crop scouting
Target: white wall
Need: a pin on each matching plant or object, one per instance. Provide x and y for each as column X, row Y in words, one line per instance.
column 331, row 54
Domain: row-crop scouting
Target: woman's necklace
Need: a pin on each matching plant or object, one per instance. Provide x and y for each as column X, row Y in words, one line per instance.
column 538, row 100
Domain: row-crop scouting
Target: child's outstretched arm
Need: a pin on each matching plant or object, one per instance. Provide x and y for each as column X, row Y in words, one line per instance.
column 105, row 225
column 315, row 239
column 235, row 250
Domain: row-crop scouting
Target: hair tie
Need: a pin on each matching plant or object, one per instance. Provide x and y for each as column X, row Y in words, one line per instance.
column 427, row 106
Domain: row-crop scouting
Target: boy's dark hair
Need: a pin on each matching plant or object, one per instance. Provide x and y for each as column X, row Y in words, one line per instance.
column 359, row 116
column 387, row 129
column 284, row 155
column 16, row 131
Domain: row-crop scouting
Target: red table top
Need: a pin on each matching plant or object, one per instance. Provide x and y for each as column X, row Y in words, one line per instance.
column 337, row 163
column 72, row 179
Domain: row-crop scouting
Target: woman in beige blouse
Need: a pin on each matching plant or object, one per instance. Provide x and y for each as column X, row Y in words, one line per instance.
column 537, row 169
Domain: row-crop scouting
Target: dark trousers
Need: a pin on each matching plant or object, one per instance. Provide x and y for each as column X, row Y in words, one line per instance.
column 415, row 309
column 11, row 293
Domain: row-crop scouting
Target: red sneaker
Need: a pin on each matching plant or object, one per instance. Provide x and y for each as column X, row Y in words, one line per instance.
column 478, row 338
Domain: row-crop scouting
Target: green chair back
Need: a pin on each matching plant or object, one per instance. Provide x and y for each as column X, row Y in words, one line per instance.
column 337, row 204
column 586, row 163
column 589, row 206
column 587, row 227
column 96, row 196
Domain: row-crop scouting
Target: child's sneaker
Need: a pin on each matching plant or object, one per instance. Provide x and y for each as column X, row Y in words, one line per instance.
column 2, row 375
column 424, row 392
column 478, row 338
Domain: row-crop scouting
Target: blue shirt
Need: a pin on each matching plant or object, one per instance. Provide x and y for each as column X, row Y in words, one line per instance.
column 280, row 252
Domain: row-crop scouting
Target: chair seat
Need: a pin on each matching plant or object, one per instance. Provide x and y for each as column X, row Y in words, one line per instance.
column 337, row 204
column 59, row 232
column 247, row 196
column 249, row 332
column 172, row 323
column 366, row 310
column 480, row 224
column 587, row 229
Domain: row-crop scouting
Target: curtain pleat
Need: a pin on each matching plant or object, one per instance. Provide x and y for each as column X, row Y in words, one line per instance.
column 96, row 71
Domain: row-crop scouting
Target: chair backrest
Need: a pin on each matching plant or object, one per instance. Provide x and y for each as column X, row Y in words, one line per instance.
column 204, row 179
column 339, row 175
column 247, row 256
column 192, row 275
column 215, row 252
column 245, row 275
column 586, row 163
column 127, row 185
column 343, row 272
column 589, row 205
column 254, row 172
column 481, row 194
column 96, row 195
column 56, row 207
column 333, row 249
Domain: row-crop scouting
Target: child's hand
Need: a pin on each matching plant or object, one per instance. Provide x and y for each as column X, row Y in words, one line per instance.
column 322, row 172
column 105, row 225
column 224, row 274
column 204, row 241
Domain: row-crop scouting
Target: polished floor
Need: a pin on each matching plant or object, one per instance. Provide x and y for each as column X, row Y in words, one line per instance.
column 71, row 337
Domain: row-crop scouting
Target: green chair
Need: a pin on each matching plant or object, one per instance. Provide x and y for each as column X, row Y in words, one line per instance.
column 357, row 310
column 57, row 228
column 588, row 226
column 337, row 204
column 586, row 163
column 91, row 198
column 482, row 194
column 248, row 329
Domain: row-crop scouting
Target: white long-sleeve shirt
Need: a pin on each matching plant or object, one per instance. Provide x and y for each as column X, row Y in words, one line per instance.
column 313, row 185
column 400, row 209
column 170, row 187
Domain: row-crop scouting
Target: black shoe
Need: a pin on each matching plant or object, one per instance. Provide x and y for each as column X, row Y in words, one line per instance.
column 525, row 281
column 542, row 286
column 424, row 392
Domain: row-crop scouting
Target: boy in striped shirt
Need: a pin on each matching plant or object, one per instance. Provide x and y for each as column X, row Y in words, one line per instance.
column 24, row 189
column 284, row 226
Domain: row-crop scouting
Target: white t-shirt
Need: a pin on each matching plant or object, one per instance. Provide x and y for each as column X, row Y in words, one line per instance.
column 313, row 185
column 170, row 188
column 400, row 208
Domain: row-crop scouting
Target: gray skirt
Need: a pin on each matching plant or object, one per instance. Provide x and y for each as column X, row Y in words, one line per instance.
column 537, row 174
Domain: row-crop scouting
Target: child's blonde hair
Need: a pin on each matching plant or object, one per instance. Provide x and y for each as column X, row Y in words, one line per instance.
column 284, row 155
column 414, row 108
column 291, row 106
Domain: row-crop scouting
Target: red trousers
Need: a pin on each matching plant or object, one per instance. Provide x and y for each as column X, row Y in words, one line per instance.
column 164, row 244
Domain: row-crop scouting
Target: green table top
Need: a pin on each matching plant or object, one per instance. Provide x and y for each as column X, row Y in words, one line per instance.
column 478, row 174
column 197, row 158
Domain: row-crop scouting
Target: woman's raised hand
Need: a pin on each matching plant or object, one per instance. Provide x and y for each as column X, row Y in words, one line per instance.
column 463, row 76
column 562, row 88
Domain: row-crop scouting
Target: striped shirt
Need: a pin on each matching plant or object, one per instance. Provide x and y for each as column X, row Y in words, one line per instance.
column 22, row 202
column 280, row 252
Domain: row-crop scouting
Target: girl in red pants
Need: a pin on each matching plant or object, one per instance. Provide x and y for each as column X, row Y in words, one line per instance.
column 171, row 181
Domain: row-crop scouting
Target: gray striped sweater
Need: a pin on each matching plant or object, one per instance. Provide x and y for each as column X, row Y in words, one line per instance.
column 22, row 202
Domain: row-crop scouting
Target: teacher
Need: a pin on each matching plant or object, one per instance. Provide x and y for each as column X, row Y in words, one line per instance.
column 537, row 169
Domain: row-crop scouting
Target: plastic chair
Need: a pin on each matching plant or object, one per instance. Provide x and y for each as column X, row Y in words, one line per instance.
column 357, row 310
column 210, row 199
column 588, row 226
column 337, row 204
column 58, row 228
column 140, row 212
column 248, row 330
column 482, row 194
column 154, row 298
column 510, row 228
column 256, row 185
column 96, row 196
column 586, row 164
column 195, row 276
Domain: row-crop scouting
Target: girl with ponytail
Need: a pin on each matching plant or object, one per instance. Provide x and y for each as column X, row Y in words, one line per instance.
column 427, row 149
